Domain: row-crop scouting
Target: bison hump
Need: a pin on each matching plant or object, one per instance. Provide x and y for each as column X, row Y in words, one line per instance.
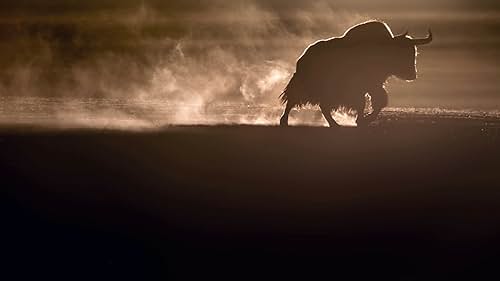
column 369, row 32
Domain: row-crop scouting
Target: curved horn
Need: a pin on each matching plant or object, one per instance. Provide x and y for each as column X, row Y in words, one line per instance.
column 422, row 41
column 401, row 35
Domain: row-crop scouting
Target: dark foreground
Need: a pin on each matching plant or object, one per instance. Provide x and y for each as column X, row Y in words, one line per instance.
column 412, row 202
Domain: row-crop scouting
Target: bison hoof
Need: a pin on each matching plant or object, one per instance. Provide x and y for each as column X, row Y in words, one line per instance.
column 283, row 122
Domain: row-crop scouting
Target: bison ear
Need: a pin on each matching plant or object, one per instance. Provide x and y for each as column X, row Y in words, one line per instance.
column 423, row 41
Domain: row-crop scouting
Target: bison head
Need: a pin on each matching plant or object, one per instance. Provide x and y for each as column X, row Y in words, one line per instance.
column 404, row 54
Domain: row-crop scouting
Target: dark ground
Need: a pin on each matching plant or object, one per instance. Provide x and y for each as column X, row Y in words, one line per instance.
column 405, row 202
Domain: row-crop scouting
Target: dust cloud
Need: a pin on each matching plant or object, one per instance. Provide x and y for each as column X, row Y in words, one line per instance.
column 225, row 64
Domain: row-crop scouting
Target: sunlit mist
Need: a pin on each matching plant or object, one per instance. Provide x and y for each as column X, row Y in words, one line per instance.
column 154, row 63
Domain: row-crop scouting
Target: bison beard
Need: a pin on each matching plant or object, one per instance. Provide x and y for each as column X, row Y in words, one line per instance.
column 340, row 71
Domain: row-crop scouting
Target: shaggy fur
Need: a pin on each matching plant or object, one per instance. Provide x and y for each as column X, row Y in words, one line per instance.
column 340, row 71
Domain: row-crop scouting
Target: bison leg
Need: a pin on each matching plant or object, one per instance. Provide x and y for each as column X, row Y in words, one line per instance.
column 284, row 117
column 327, row 112
column 361, row 120
column 379, row 101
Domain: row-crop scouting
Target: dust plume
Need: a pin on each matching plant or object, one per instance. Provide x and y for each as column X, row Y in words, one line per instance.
column 225, row 64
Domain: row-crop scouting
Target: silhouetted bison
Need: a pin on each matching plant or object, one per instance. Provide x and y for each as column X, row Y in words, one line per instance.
column 340, row 71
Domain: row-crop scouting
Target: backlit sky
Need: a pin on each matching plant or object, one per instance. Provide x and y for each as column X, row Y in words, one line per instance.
column 218, row 51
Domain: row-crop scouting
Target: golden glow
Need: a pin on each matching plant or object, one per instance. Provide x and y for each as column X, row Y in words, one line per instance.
column 233, row 53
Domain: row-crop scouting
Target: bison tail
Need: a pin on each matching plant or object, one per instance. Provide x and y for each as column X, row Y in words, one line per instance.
column 285, row 95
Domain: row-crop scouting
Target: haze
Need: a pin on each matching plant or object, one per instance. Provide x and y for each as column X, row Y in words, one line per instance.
column 203, row 53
